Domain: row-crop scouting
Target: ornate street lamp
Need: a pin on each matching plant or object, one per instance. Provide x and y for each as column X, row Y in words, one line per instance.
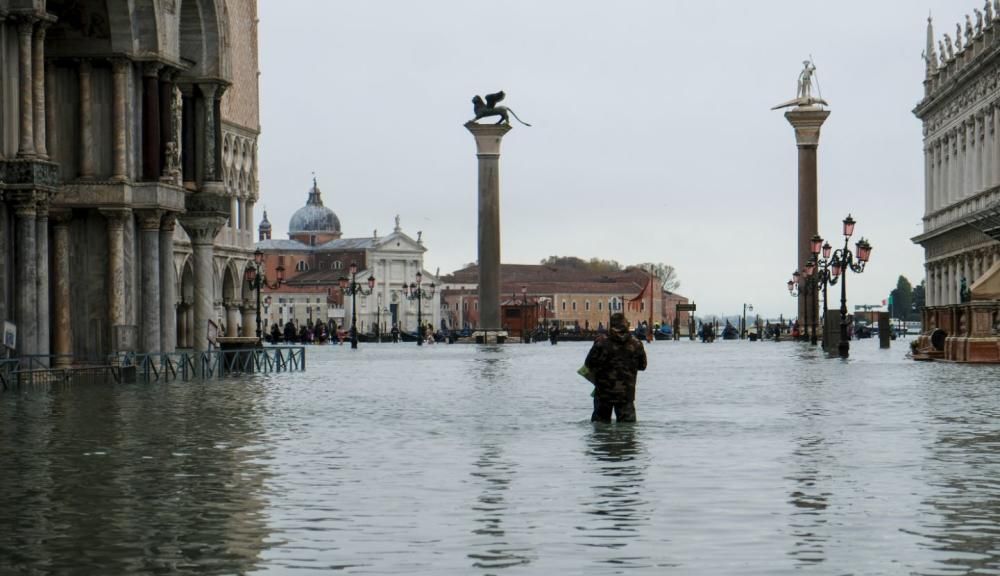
column 257, row 279
column 842, row 261
column 415, row 291
column 352, row 288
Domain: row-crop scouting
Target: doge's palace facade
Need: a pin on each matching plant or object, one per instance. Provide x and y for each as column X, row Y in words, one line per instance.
column 128, row 142
column 961, row 120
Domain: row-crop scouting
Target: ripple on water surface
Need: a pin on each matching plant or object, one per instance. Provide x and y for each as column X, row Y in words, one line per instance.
column 749, row 458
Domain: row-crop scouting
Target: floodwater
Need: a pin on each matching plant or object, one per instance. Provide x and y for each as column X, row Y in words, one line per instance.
column 749, row 458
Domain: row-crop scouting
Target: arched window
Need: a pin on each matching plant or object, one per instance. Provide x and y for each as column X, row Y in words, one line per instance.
column 564, row 305
column 301, row 266
column 574, row 305
column 586, row 305
column 338, row 265
column 600, row 305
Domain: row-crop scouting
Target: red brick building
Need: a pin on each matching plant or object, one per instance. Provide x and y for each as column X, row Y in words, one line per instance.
column 570, row 297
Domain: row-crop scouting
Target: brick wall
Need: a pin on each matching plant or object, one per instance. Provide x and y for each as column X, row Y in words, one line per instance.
column 241, row 102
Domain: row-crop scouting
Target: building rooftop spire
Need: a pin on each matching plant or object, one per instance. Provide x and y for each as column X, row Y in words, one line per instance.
column 314, row 195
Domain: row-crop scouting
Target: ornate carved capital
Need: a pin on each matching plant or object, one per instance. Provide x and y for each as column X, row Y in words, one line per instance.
column 168, row 221
column 202, row 229
column 25, row 204
column 149, row 220
column 116, row 217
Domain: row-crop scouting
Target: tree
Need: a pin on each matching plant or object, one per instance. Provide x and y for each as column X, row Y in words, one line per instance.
column 902, row 299
column 666, row 273
column 919, row 301
column 593, row 265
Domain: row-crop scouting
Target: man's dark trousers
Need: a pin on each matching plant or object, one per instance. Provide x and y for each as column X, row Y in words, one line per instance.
column 624, row 411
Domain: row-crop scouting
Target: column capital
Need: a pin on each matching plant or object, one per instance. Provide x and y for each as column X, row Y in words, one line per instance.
column 120, row 64
column 488, row 137
column 85, row 65
column 168, row 222
column 42, row 204
column 208, row 89
column 807, row 124
column 25, row 24
column 60, row 217
column 151, row 69
column 202, row 229
column 25, row 204
column 116, row 217
column 149, row 220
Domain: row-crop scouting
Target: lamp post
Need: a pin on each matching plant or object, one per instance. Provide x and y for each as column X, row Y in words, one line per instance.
column 415, row 291
column 525, row 338
column 378, row 318
column 743, row 329
column 824, row 275
column 805, row 283
column 352, row 288
column 844, row 260
column 257, row 279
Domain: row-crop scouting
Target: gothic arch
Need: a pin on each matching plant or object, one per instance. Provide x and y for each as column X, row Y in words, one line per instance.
column 186, row 280
column 202, row 38
column 231, row 282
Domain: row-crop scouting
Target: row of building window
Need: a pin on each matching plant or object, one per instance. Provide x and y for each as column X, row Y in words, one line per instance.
column 612, row 305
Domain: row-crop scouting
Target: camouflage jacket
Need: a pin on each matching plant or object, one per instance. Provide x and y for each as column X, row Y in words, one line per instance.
column 614, row 360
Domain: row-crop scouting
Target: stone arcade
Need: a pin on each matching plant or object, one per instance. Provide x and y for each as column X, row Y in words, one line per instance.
column 121, row 119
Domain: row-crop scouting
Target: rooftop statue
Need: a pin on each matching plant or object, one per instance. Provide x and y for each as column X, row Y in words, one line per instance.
column 968, row 31
column 948, row 47
column 958, row 37
column 804, row 95
column 988, row 8
column 941, row 53
column 996, row 8
column 979, row 21
column 491, row 107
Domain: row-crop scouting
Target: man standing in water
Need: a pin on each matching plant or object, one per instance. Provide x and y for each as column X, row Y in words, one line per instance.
column 615, row 360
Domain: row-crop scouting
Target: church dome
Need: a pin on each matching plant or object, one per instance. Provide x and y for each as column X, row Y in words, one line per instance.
column 314, row 218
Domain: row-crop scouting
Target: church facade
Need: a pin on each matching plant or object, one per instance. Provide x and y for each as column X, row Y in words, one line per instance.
column 312, row 261
column 128, row 145
column 960, row 112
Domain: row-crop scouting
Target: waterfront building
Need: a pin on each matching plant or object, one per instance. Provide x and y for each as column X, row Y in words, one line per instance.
column 315, row 257
column 128, row 145
column 568, row 297
column 960, row 112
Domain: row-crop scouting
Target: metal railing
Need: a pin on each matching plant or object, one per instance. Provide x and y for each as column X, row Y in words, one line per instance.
column 207, row 365
column 156, row 367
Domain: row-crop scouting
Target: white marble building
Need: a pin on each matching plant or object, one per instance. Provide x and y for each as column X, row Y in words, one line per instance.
column 119, row 120
column 961, row 118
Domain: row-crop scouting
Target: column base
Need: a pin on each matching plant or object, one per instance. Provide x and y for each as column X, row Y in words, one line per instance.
column 490, row 336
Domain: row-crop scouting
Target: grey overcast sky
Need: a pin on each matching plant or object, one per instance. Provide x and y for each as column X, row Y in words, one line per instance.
column 653, row 136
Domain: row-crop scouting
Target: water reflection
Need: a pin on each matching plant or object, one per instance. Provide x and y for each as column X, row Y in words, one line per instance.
column 809, row 496
column 618, row 510
column 491, row 363
column 964, row 467
column 494, row 474
column 114, row 480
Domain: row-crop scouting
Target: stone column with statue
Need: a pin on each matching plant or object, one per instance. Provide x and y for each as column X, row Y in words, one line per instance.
column 488, row 138
column 806, row 116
